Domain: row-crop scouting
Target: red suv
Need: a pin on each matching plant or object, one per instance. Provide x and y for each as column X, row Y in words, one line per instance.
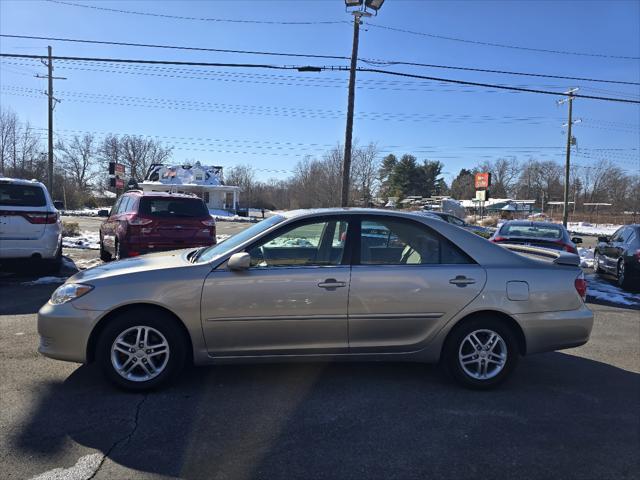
column 144, row 222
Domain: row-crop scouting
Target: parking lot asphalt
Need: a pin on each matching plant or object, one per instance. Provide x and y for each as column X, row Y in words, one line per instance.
column 570, row 414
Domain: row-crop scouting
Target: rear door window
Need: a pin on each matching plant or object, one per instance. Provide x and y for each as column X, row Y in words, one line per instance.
column 390, row 241
column 173, row 207
column 15, row 195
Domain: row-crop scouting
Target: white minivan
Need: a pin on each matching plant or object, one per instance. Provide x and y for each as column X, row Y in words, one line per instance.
column 30, row 226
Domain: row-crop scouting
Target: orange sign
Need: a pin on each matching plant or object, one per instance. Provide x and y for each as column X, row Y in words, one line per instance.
column 483, row 180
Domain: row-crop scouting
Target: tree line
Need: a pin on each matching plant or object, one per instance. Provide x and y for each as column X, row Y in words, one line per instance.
column 81, row 165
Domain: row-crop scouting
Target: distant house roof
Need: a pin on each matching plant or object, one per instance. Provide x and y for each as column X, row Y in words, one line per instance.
column 196, row 174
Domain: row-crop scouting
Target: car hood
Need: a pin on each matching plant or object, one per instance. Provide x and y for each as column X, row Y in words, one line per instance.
column 144, row 263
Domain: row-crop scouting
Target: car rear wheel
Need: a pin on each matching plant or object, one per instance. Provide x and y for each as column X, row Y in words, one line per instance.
column 104, row 255
column 622, row 280
column 141, row 349
column 481, row 353
column 52, row 266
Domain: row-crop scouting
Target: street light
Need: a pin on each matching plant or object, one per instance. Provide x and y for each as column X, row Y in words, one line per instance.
column 359, row 10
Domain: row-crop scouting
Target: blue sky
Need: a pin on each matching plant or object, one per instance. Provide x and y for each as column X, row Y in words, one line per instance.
column 240, row 116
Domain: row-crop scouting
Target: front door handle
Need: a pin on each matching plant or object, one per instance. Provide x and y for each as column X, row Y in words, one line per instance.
column 331, row 284
column 461, row 281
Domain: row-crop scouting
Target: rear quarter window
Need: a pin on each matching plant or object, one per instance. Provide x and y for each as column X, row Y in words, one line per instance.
column 173, row 207
column 22, row 195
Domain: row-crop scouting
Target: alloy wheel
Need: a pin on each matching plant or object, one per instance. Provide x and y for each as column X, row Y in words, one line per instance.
column 140, row 353
column 482, row 354
column 621, row 273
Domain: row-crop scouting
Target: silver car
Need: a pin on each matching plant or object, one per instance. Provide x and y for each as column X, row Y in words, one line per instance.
column 322, row 285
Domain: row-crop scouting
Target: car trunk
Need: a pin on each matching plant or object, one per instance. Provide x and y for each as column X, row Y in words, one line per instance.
column 23, row 212
column 533, row 242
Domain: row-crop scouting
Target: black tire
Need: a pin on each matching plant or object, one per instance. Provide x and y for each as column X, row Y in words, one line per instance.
column 596, row 265
column 104, row 255
column 621, row 278
column 52, row 266
column 157, row 320
column 458, row 336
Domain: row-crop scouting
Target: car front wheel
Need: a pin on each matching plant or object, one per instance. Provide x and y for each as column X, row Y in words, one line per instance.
column 141, row 349
column 481, row 353
column 596, row 263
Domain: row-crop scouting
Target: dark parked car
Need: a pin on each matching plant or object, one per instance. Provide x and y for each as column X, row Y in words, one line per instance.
column 143, row 222
column 449, row 218
column 620, row 255
column 536, row 234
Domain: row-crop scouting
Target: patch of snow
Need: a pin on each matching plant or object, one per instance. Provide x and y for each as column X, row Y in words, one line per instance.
column 224, row 216
column 586, row 257
column 46, row 281
column 86, row 240
column 600, row 289
column 85, row 212
column 222, row 237
column 586, row 228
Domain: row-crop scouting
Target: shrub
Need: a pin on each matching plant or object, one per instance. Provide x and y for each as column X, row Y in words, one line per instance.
column 489, row 222
column 70, row 229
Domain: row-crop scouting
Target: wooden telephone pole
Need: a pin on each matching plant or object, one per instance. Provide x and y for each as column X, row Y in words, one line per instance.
column 52, row 101
column 567, row 165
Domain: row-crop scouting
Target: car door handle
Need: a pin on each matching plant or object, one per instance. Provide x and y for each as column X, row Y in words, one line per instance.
column 461, row 281
column 331, row 284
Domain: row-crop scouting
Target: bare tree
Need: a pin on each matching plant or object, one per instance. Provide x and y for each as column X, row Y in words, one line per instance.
column 364, row 173
column 136, row 153
column 8, row 128
column 78, row 158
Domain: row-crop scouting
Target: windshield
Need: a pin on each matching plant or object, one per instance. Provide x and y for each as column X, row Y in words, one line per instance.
column 220, row 249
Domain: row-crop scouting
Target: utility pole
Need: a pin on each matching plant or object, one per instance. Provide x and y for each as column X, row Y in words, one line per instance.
column 567, row 165
column 360, row 11
column 52, row 101
column 346, row 163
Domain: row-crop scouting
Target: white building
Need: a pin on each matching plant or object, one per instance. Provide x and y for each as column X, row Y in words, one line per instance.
column 204, row 181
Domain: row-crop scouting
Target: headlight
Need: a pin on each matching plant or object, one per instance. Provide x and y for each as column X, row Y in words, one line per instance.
column 68, row 292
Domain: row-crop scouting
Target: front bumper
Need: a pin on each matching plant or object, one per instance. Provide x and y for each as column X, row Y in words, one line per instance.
column 64, row 331
column 548, row 331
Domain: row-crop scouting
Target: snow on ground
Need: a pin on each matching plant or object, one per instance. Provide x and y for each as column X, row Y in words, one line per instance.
column 224, row 216
column 586, row 257
column 222, row 237
column 586, row 228
column 599, row 288
column 85, row 212
column 86, row 240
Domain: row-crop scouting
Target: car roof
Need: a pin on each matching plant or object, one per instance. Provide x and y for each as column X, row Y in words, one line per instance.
column 530, row 223
column 354, row 211
column 21, row 181
column 141, row 193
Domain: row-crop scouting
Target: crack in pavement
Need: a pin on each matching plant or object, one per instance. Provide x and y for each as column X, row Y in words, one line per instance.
column 124, row 439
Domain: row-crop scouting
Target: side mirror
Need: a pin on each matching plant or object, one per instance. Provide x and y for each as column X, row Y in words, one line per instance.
column 58, row 205
column 103, row 213
column 239, row 261
column 576, row 240
column 603, row 239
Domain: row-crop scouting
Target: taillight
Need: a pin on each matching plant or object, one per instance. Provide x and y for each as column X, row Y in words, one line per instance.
column 637, row 255
column 498, row 239
column 581, row 286
column 570, row 248
column 209, row 223
column 135, row 220
column 41, row 218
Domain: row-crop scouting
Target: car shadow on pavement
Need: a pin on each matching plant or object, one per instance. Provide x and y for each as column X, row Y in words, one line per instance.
column 560, row 415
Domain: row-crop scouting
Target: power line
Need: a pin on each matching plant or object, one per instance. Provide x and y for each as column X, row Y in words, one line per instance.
column 502, row 45
column 500, row 87
column 202, row 19
column 329, row 57
column 285, row 67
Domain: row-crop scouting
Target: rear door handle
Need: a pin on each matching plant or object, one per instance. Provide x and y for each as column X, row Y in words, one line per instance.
column 331, row 284
column 461, row 281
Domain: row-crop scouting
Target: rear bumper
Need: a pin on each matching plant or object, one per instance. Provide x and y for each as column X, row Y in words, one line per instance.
column 44, row 247
column 143, row 248
column 545, row 332
column 64, row 331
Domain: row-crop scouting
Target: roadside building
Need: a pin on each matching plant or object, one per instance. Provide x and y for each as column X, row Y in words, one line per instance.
column 204, row 181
